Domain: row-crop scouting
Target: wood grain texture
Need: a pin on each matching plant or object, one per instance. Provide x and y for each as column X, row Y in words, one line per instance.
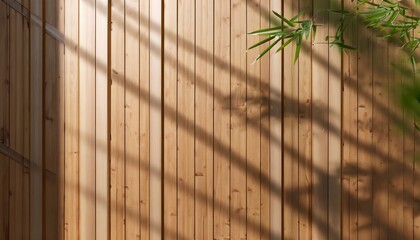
column 186, row 119
column 170, row 82
column 305, row 129
column 4, row 121
column 276, row 119
column 349, row 148
column 380, row 122
column 334, row 131
column 253, row 131
column 87, row 120
column 36, row 127
column 290, row 134
column 102, row 119
column 16, row 125
column 148, row 104
column 71, row 108
column 117, row 108
column 238, row 132
column 204, row 120
column 222, row 124
column 132, row 120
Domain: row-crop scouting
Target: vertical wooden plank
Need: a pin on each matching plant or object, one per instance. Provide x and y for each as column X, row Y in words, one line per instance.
column 349, row 163
column 380, row 123
column 117, row 144
column 102, row 120
column 4, row 120
column 334, row 134
column 396, row 139
column 71, row 119
column 186, row 119
column 132, row 120
column 26, row 127
column 364, row 136
column 408, row 161
column 265, row 128
column 253, row 137
column 16, row 125
column 52, row 135
column 170, row 82
column 204, row 120
column 416, row 183
column 155, row 134
column 290, row 151
column 276, row 118
column 320, row 128
column 36, row 180
column 222, row 48
column 238, row 118
column 145, row 118
column 53, row 123
column 305, row 128
column 87, row 130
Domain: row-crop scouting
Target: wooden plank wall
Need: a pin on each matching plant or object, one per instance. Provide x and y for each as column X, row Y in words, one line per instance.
column 150, row 120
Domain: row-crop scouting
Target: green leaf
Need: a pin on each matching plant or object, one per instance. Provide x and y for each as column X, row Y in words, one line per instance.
column 261, row 42
column 298, row 46
column 284, row 19
column 268, row 30
column 413, row 63
column 284, row 45
column 267, row 49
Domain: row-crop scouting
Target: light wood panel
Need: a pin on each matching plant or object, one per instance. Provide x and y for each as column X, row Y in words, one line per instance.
column 71, row 120
column 117, row 122
column 222, row 121
column 204, row 120
column 269, row 149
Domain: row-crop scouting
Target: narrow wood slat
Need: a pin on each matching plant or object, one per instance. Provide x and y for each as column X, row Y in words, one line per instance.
column 204, row 120
column 71, row 119
column 148, row 104
column 186, row 119
column 320, row 74
column 408, row 162
column 52, row 135
column 117, row 108
column 87, row 129
column 253, row 117
column 290, row 134
column 170, row 120
column 416, row 183
column 53, row 105
column 276, row 118
column 4, row 120
column 380, row 123
column 102, row 120
column 238, row 132
column 155, row 134
column 265, row 128
column 334, row 134
column 36, row 93
column 305, row 128
column 16, row 125
column 26, row 124
column 132, row 120
column 349, row 161
column 222, row 83
column 364, row 136
column 396, row 139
